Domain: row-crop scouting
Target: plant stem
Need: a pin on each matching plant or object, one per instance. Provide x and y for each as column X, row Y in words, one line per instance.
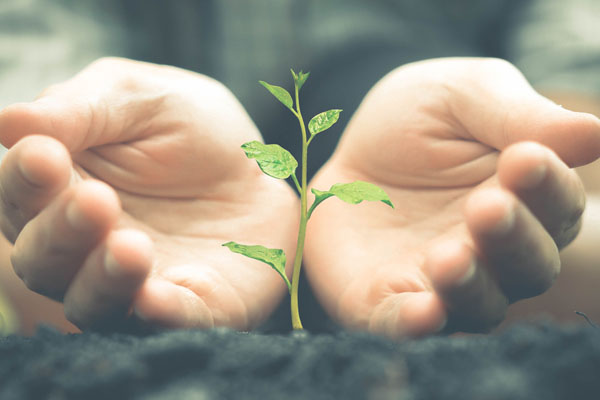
column 296, row 323
column 297, row 184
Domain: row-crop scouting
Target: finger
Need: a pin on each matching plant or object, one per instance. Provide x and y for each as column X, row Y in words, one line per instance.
column 547, row 186
column 390, row 301
column 474, row 301
column 71, row 120
column 162, row 303
column 518, row 251
column 513, row 111
column 31, row 175
column 52, row 246
column 408, row 314
column 100, row 105
column 192, row 295
column 102, row 292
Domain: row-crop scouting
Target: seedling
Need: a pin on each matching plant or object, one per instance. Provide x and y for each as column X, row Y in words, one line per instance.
column 278, row 163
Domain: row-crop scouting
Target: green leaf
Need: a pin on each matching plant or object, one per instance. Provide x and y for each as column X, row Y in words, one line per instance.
column 323, row 121
column 280, row 94
column 352, row 193
column 358, row 191
column 272, row 159
column 319, row 197
column 273, row 257
column 300, row 78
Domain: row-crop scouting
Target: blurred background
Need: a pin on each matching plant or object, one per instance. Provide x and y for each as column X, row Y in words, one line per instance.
column 347, row 45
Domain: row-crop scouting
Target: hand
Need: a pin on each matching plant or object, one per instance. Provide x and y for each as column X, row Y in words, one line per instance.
column 120, row 187
column 477, row 165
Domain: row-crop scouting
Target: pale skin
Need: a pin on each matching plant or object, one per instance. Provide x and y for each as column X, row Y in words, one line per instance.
column 170, row 186
column 483, row 209
column 146, row 160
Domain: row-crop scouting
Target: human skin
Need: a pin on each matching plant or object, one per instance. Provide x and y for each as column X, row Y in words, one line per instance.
column 576, row 288
column 478, row 166
column 372, row 268
column 118, row 189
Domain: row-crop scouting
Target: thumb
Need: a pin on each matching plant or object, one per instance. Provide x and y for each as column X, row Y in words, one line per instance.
column 98, row 106
column 497, row 106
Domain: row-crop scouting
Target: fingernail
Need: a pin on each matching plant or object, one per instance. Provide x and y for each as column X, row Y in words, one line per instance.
column 534, row 177
column 111, row 266
column 76, row 217
column 469, row 273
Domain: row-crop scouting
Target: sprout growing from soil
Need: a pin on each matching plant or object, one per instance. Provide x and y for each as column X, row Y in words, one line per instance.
column 278, row 163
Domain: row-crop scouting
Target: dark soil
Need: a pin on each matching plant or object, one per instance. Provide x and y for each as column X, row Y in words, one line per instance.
column 534, row 361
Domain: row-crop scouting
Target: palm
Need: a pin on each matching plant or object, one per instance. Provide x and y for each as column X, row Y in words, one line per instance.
column 428, row 174
column 190, row 194
column 168, row 143
column 445, row 255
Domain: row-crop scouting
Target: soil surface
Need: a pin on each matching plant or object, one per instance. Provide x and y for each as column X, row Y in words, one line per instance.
column 533, row 361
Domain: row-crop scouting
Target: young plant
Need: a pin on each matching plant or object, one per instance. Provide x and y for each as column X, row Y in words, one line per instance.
column 278, row 163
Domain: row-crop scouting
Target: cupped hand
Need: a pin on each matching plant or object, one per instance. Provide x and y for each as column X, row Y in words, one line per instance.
column 478, row 167
column 119, row 188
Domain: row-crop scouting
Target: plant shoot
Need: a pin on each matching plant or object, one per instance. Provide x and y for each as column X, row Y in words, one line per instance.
column 279, row 163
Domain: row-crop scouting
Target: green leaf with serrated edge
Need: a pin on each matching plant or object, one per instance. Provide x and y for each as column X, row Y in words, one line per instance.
column 273, row 257
column 280, row 94
column 272, row 159
column 323, row 121
column 352, row 193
